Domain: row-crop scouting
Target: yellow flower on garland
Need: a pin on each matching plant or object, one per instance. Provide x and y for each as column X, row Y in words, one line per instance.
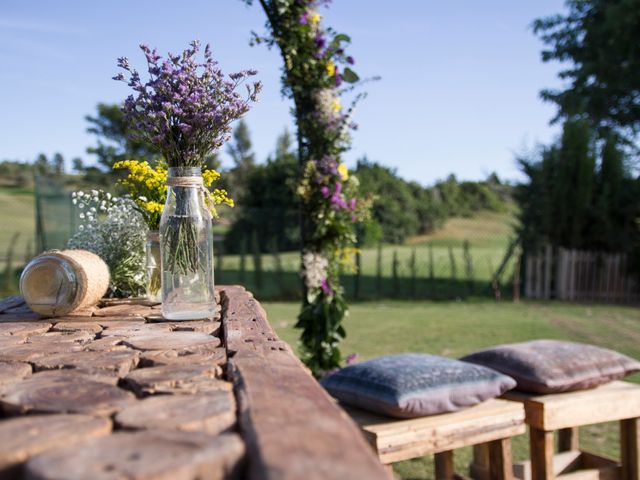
column 147, row 186
column 336, row 105
column 343, row 171
column 331, row 68
column 314, row 18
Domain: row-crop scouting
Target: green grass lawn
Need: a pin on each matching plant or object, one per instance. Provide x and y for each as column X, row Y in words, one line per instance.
column 453, row 329
column 17, row 216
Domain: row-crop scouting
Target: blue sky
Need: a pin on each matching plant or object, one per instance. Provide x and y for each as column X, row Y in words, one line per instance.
column 458, row 94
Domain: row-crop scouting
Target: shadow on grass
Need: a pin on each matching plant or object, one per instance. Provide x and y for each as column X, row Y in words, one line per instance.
column 272, row 285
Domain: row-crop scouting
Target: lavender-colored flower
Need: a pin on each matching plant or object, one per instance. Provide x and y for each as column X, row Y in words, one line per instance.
column 186, row 106
column 351, row 358
column 321, row 42
column 326, row 289
column 325, row 191
column 350, row 60
column 304, row 18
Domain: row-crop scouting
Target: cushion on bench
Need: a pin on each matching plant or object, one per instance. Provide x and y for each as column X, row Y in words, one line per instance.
column 552, row 366
column 414, row 384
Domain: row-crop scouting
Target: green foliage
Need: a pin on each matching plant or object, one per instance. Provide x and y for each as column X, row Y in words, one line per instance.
column 240, row 151
column 599, row 41
column 402, row 209
column 569, row 201
column 269, row 204
column 113, row 138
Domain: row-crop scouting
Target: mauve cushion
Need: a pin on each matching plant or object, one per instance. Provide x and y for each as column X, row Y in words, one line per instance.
column 415, row 384
column 551, row 366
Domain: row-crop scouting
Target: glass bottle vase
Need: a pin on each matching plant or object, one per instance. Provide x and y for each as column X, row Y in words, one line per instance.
column 186, row 246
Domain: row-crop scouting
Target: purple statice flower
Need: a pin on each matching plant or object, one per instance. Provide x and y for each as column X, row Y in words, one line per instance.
column 337, row 202
column 352, row 204
column 186, row 106
column 351, row 358
column 350, row 60
column 325, row 191
column 321, row 42
column 326, row 289
column 338, row 78
column 304, row 18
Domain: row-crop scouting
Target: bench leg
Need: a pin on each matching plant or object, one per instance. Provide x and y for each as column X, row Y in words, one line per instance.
column 500, row 460
column 444, row 465
column 568, row 440
column 630, row 449
column 541, row 447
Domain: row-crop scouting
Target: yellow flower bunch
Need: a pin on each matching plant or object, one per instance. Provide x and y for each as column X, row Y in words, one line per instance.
column 147, row 186
column 346, row 257
column 331, row 68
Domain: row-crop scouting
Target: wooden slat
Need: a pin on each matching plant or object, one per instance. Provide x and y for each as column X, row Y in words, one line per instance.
column 444, row 465
column 541, row 449
column 23, row 329
column 292, row 428
column 168, row 378
column 397, row 440
column 500, row 459
column 568, row 439
column 630, row 448
column 610, row 402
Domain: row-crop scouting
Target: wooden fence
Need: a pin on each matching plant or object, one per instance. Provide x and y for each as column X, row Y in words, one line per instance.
column 577, row 275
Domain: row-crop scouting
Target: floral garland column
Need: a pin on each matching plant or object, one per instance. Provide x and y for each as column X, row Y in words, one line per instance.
column 316, row 67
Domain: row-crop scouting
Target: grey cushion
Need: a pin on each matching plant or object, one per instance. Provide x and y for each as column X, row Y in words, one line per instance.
column 415, row 384
column 549, row 366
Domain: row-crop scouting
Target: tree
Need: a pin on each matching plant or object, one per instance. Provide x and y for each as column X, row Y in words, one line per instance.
column 269, row 204
column 58, row 164
column 113, row 138
column 240, row 150
column 78, row 165
column 600, row 40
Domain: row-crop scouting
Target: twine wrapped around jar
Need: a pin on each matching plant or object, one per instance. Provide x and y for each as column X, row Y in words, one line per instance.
column 58, row 282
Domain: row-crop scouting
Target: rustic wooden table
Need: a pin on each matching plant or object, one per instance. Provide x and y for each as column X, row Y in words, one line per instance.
column 118, row 392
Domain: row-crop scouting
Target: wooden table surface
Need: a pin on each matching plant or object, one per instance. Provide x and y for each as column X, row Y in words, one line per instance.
column 116, row 391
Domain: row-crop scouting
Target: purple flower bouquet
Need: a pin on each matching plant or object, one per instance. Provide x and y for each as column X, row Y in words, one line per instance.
column 185, row 109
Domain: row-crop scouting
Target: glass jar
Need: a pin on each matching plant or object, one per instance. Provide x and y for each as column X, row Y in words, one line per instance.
column 154, row 277
column 56, row 283
column 186, row 246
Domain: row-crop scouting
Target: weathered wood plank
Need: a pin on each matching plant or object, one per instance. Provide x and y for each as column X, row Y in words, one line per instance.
column 212, row 413
column 212, row 356
column 123, row 310
column 541, row 448
column 24, row 437
column 23, row 329
column 444, row 465
column 90, row 327
column 168, row 378
column 171, row 341
column 144, row 455
column 500, row 459
column 13, row 372
column 610, row 402
column 118, row 362
column 396, row 440
column 63, row 394
column 26, row 352
column 292, row 427
column 568, row 439
column 630, row 448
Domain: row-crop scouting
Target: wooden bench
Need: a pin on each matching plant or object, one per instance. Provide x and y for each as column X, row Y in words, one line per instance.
column 564, row 413
column 491, row 423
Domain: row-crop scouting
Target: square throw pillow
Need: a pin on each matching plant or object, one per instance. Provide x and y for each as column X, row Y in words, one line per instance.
column 551, row 366
column 415, row 384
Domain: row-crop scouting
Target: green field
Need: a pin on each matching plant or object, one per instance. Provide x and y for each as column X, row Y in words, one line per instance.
column 17, row 216
column 453, row 329
column 441, row 270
